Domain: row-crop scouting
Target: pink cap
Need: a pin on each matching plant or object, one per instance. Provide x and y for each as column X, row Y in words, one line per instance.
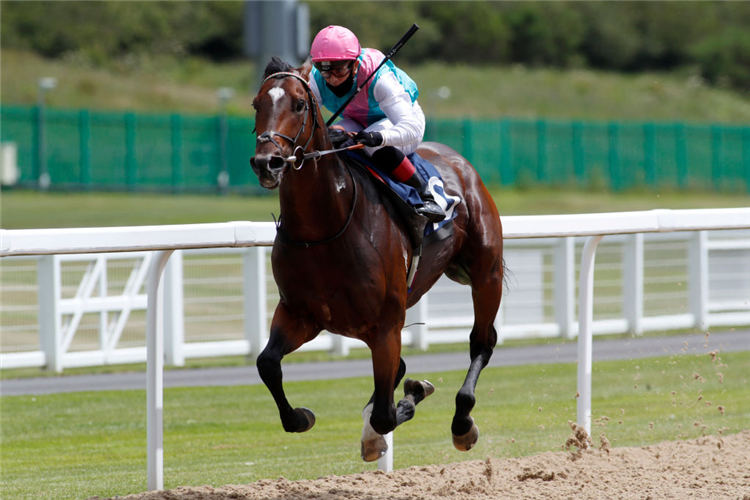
column 335, row 43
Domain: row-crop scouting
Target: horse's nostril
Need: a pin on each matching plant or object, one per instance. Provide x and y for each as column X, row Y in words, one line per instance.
column 276, row 163
column 270, row 162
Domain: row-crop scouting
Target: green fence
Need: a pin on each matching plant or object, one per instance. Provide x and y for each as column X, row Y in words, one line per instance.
column 87, row 150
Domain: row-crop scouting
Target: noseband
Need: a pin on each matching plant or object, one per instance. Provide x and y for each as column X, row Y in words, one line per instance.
column 267, row 136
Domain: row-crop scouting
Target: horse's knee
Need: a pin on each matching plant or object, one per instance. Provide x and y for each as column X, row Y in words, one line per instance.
column 269, row 366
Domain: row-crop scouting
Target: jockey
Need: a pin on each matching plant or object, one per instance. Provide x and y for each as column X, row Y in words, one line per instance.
column 385, row 115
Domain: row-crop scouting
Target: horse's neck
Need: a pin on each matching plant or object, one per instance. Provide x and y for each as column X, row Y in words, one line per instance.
column 316, row 200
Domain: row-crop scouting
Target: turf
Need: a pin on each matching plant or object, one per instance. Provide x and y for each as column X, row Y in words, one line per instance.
column 72, row 446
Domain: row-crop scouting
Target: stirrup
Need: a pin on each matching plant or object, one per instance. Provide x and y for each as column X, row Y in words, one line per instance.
column 432, row 211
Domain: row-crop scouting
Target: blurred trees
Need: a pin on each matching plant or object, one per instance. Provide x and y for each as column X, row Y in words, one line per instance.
column 713, row 38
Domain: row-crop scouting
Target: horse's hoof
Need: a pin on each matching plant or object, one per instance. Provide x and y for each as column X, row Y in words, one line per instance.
column 373, row 448
column 468, row 440
column 308, row 418
column 418, row 389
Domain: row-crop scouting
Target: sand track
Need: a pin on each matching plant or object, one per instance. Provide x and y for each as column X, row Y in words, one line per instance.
column 711, row 468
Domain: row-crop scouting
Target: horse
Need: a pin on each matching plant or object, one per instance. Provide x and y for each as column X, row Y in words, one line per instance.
column 340, row 259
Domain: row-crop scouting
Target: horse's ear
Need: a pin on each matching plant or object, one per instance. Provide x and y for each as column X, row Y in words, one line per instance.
column 304, row 70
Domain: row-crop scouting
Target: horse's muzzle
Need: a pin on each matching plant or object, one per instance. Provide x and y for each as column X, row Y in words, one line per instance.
column 269, row 169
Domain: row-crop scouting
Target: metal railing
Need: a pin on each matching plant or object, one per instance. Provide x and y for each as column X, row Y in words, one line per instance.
column 63, row 311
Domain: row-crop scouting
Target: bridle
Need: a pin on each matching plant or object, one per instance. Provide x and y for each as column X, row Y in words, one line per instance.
column 267, row 136
column 298, row 152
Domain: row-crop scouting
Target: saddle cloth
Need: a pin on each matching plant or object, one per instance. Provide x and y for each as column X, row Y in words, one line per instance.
column 410, row 196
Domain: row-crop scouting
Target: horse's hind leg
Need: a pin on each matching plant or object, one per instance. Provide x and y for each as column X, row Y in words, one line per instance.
column 287, row 334
column 486, row 293
column 414, row 392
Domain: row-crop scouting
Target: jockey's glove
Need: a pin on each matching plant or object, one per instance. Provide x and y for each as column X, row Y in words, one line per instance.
column 370, row 139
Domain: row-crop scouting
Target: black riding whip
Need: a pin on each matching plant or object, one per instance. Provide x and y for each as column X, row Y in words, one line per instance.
column 388, row 56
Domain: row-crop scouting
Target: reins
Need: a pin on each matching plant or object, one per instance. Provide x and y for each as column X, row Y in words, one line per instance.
column 268, row 136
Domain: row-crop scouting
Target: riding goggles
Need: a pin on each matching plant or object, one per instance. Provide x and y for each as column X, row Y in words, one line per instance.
column 336, row 68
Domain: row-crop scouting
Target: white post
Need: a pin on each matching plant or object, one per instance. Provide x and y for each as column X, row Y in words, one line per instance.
column 632, row 283
column 416, row 319
column 174, row 312
column 385, row 463
column 499, row 318
column 50, row 319
column 585, row 318
column 565, row 285
column 104, row 314
column 256, row 298
column 339, row 347
column 698, row 278
column 155, row 372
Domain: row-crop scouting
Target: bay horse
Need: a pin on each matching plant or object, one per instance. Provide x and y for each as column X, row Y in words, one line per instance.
column 340, row 259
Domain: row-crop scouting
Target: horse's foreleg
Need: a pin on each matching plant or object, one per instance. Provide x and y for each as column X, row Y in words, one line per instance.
column 482, row 342
column 373, row 444
column 380, row 416
column 287, row 334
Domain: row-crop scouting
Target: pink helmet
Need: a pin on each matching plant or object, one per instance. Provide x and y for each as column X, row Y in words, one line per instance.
column 335, row 43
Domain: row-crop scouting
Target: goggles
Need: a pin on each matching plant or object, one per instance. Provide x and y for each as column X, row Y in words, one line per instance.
column 336, row 68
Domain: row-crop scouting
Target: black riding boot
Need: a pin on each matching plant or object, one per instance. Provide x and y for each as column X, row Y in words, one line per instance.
column 429, row 208
column 399, row 166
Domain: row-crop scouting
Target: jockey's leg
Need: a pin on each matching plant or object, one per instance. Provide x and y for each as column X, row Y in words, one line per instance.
column 397, row 165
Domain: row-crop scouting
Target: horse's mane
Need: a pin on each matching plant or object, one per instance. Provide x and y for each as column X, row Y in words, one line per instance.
column 276, row 65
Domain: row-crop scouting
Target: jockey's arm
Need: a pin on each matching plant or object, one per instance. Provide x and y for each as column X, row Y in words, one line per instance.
column 407, row 118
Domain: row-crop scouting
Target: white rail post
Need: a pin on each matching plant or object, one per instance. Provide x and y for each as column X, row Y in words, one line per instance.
column 339, row 345
column 416, row 317
column 155, row 372
column 698, row 278
column 385, row 463
column 256, row 298
column 565, row 286
column 500, row 317
column 632, row 286
column 585, row 318
column 50, row 319
column 174, row 312
column 104, row 315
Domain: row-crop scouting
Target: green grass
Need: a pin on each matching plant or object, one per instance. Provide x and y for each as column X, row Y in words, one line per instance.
column 21, row 209
column 188, row 85
column 71, row 446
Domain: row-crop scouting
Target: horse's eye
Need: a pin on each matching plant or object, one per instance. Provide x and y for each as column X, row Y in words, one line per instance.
column 300, row 105
column 255, row 104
